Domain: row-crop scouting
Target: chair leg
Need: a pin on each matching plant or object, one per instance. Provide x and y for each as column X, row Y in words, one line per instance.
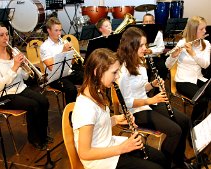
column 59, row 107
column 11, row 134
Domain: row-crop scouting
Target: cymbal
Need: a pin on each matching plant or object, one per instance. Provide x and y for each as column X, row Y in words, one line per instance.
column 145, row 7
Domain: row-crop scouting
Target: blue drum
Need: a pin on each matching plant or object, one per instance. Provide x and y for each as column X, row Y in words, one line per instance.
column 162, row 12
column 177, row 8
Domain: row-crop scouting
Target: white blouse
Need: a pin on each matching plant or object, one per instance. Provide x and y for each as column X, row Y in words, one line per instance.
column 189, row 67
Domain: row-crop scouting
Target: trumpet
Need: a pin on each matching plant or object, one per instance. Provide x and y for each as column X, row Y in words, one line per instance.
column 76, row 55
column 27, row 66
column 177, row 47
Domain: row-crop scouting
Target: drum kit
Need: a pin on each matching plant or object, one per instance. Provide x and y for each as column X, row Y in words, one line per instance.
column 26, row 16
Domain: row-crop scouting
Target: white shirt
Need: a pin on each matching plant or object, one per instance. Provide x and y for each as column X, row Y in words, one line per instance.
column 159, row 44
column 189, row 67
column 14, row 81
column 133, row 87
column 49, row 49
column 91, row 114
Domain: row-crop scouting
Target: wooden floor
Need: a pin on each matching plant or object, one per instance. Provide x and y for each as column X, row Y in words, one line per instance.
column 29, row 157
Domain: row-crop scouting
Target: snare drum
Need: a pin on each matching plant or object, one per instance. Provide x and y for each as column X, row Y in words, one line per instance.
column 95, row 12
column 177, row 8
column 162, row 12
column 119, row 12
column 25, row 15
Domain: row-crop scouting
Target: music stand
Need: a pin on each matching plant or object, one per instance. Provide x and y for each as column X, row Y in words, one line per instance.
column 89, row 32
column 3, row 102
column 201, row 138
column 61, row 67
column 175, row 26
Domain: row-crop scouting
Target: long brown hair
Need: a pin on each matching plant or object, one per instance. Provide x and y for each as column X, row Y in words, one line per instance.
column 97, row 63
column 190, row 32
column 128, row 49
column 9, row 51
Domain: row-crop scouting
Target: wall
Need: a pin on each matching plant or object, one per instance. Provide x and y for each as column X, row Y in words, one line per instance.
column 191, row 8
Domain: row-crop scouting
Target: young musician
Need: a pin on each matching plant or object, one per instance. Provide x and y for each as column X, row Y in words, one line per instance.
column 21, row 97
column 92, row 124
column 190, row 59
column 149, row 112
column 104, row 27
column 49, row 49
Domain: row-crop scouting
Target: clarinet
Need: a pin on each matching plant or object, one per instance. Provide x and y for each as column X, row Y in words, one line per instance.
column 128, row 115
column 161, row 87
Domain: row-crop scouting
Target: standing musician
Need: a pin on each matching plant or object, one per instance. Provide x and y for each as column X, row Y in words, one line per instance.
column 21, row 96
column 92, row 124
column 149, row 112
column 191, row 58
column 104, row 27
column 49, row 49
column 157, row 49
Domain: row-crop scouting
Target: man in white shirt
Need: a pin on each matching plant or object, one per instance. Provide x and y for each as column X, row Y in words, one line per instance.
column 53, row 46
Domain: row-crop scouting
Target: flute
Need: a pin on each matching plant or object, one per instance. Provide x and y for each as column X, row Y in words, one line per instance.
column 177, row 47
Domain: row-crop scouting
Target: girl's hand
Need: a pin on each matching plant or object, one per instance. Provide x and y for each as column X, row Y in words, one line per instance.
column 18, row 60
column 132, row 143
column 120, row 119
column 189, row 49
column 155, row 82
column 176, row 52
column 160, row 97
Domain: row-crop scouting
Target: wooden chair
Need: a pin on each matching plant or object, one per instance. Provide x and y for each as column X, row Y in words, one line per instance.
column 124, row 129
column 6, row 113
column 173, row 90
column 33, row 55
column 68, row 137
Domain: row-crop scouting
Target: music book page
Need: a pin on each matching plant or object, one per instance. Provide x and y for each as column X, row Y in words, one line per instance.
column 60, row 59
column 202, row 134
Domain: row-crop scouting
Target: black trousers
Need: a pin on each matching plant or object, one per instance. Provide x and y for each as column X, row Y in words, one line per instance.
column 176, row 131
column 36, row 106
column 67, row 85
column 189, row 90
column 135, row 160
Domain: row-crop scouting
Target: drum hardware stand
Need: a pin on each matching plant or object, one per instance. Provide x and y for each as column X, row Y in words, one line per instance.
column 73, row 22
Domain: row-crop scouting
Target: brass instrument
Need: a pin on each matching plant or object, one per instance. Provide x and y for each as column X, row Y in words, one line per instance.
column 27, row 66
column 76, row 55
column 128, row 19
column 177, row 47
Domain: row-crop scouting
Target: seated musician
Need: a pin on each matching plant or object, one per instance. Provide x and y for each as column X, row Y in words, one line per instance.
column 156, row 49
column 190, row 59
column 92, row 124
column 151, row 112
column 49, row 49
column 104, row 27
column 21, row 97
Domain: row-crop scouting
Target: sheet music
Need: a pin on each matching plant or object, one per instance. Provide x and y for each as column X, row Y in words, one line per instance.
column 202, row 134
column 57, row 67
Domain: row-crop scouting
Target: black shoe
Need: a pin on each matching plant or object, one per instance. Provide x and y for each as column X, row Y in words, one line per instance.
column 39, row 146
column 49, row 140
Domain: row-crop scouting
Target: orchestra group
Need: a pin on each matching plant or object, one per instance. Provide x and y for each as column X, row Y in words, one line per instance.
column 130, row 69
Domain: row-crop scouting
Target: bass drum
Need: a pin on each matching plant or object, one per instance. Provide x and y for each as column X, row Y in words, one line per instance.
column 25, row 15
column 119, row 12
column 95, row 12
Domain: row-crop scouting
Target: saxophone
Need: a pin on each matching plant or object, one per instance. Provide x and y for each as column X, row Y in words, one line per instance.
column 128, row 115
column 161, row 87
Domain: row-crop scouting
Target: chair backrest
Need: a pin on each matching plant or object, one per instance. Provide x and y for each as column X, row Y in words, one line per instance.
column 172, row 82
column 33, row 53
column 67, row 132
